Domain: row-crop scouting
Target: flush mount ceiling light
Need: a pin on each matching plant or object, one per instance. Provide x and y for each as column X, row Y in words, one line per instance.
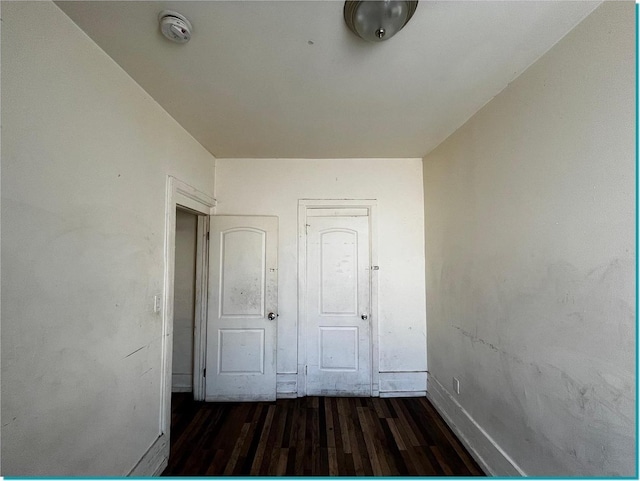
column 377, row 20
column 174, row 26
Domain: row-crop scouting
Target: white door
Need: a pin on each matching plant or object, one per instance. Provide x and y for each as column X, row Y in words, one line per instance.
column 338, row 303
column 243, row 306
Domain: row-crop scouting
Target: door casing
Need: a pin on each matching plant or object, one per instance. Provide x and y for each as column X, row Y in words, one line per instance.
column 303, row 206
column 178, row 193
column 182, row 194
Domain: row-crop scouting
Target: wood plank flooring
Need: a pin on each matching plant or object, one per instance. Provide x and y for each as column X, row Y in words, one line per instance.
column 314, row 436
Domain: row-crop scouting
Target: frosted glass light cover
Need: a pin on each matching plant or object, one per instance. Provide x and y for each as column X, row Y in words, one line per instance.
column 377, row 20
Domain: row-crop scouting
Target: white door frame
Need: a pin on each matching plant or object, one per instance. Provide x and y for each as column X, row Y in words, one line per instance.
column 303, row 206
column 200, row 313
column 182, row 194
column 178, row 193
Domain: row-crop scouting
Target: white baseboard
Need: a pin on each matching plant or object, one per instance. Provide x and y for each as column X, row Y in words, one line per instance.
column 181, row 389
column 155, row 460
column 163, row 465
column 181, row 382
column 403, row 384
column 484, row 449
column 286, row 386
column 403, row 394
column 391, row 384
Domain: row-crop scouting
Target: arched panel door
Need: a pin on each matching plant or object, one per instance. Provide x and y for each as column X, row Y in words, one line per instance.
column 338, row 306
column 243, row 307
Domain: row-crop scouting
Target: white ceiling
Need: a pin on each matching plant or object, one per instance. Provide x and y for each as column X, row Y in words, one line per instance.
column 288, row 79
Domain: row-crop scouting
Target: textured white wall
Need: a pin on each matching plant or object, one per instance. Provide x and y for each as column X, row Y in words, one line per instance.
column 274, row 186
column 184, row 300
column 530, row 252
column 85, row 158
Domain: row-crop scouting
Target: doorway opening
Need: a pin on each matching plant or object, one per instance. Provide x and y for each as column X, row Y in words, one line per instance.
column 190, row 279
column 186, row 370
column 189, row 306
column 180, row 195
column 184, row 301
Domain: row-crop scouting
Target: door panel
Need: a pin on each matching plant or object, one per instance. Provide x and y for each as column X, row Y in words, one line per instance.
column 338, row 349
column 339, row 273
column 338, row 295
column 241, row 339
column 243, row 273
column 241, row 351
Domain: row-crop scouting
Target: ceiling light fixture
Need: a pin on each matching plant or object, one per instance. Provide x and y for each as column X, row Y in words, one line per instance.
column 174, row 26
column 377, row 20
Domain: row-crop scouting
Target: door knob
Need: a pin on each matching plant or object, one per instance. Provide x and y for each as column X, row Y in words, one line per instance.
column 272, row 316
column 364, row 317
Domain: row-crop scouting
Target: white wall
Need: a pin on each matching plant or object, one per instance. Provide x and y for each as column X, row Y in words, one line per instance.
column 530, row 261
column 86, row 154
column 274, row 186
column 184, row 300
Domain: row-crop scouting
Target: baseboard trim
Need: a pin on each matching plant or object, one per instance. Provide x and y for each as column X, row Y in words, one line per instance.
column 182, row 382
column 402, row 384
column 286, row 395
column 155, row 460
column 386, row 394
column 484, row 449
column 163, row 465
column 391, row 384
column 181, row 389
column 287, row 385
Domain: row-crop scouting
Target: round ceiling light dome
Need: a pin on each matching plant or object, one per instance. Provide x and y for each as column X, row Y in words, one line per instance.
column 376, row 20
column 174, row 26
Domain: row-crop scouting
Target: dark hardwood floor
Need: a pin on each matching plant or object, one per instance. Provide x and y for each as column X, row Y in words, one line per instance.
column 314, row 436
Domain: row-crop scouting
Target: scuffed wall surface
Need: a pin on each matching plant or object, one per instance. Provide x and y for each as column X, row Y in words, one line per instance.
column 85, row 158
column 274, row 186
column 529, row 212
